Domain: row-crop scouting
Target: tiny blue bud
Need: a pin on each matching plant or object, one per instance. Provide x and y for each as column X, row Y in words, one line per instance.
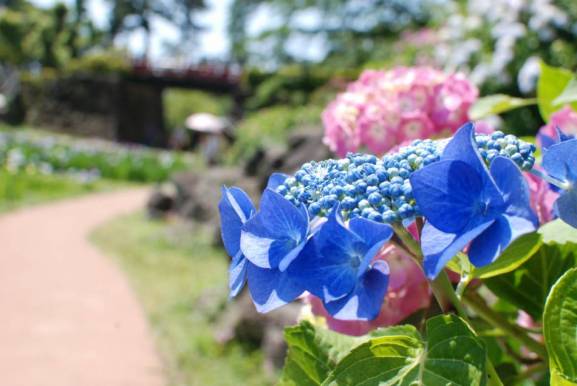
column 375, row 198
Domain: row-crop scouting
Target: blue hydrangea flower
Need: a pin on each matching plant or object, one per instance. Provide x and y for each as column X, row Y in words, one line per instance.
column 235, row 209
column 465, row 202
column 379, row 189
column 276, row 234
column 560, row 162
column 547, row 141
column 269, row 287
column 335, row 265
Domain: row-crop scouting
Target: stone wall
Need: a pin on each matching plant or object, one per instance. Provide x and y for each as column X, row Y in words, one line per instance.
column 106, row 107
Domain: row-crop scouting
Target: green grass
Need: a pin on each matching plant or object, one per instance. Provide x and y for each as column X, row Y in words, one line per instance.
column 23, row 189
column 181, row 282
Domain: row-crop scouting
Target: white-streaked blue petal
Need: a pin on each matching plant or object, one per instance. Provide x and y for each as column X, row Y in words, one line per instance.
column 274, row 232
column 329, row 263
column 560, row 161
column 439, row 247
column 448, row 193
column 237, row 274
column 271, row 288
column 514, row 189
column 566, row 207
column 235, row 209
column 365, row 302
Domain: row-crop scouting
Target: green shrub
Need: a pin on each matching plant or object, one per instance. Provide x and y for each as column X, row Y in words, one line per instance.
column 179, row 104
column 104, row 62
column 271, row 126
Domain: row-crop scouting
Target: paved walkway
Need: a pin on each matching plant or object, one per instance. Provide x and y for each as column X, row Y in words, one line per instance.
column 67, row 315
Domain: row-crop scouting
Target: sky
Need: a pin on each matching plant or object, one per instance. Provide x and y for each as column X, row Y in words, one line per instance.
column 213, row 42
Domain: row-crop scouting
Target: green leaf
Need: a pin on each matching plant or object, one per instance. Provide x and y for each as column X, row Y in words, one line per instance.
column 512, row 258
column 569, row 94
column 496, row 104
column 558, row 380
column 528, row 285
column 558, row 232
column 313, row 353
column 451, row 354
column 560, row 326
column 552, row 83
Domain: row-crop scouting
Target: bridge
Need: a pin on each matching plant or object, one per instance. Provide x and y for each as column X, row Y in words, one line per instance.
column 141, row 112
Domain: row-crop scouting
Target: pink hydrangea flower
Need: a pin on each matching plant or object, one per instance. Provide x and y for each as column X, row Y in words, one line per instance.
column 542, row 197
column 384, row 108
column 408, row 292
column 564, row 119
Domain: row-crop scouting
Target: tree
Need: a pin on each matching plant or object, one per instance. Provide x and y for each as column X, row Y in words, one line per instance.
column 130, row 15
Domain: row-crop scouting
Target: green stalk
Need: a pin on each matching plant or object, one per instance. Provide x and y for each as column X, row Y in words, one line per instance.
column 443, row 291
column 497, row 320
column 408, row 241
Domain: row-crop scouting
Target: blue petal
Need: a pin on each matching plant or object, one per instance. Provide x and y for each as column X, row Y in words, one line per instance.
column 514, row 189
column 493, row 241
column 275, row 180
column 566, row 207
column 271, row 288
column 328, row 266
column 463, row 147
column 440, row 247
column 561, row 136
column 235, row 209
column 546, row 141
column 365, row 302
column 237, row 274
column 370, row 232
column 560, row 161
column 448, row 194
column 278, row 231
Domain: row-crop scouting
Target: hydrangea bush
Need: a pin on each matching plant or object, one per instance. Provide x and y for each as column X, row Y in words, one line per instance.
column 476, row 220
column 384, row 108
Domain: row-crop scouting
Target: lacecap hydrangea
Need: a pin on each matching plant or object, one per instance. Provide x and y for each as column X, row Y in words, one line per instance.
column 319, row 230
column 379, row 189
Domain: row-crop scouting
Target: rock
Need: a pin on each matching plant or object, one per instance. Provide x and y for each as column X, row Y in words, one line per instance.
column 161, row 201
column 197, row 192
column 240, row 322
column 303, row 145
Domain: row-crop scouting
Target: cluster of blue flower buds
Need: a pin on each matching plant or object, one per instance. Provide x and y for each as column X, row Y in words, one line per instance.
column 509, row 146
column 378, row 188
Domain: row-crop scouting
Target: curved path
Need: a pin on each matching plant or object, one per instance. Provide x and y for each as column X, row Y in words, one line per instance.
column 67, row 315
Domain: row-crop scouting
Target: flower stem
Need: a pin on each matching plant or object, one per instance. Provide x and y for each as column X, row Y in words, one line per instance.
column 408, row 240
column 495, row 319
column 443, row 291
column 553, row 181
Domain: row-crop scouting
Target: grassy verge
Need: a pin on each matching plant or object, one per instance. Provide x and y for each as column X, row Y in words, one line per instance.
column 23, row 189
column 181, row 282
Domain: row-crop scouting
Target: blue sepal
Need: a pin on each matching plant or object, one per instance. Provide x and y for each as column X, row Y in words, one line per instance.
column 275, row 180
column 365, row 301
column 277, row 232
column 566, row 207
column 235, row 209
column 328, row 264
column 271, row 288
column 439, row 247
column 560, row 161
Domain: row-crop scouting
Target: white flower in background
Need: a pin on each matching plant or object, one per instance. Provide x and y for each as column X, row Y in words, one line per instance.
column 528, row 75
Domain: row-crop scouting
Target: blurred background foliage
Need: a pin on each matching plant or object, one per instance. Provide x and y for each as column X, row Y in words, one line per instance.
column 497, row 43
